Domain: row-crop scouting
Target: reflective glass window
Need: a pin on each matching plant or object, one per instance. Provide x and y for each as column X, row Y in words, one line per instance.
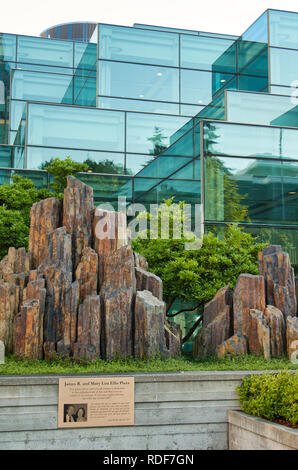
column 7, row 47
column 39, row 86
column 85, row 55
column 75, row 127
column 45, row 51
column 257, row 141
column 108, row 187
column 208, row 53
column 261, row 108
column 137, row 45
column 258, row 31
column 283, row 66
column 251, row 190
column 85, row 91
column 98, row 162
column 138, row 81
column 148, row 133
column 283, row 29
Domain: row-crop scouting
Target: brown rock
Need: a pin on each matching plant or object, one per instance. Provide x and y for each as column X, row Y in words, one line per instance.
column 275, row 321
column 29, row 331
column 236, row 345
column 173, row 339
column 9, row 304
column 110, row 234
column 59, row 252
column 292, row 339
column 258, row 334
column 275, row 266
column 89, row 325
column 249, row 293
column 78, row 210
column 65, row 346
column 211, row 336
column 140, row 262
column 87, row 273
column 222, row 302
column 150, row 282
column 117, row 292
column 45, row 217
column 149, row 337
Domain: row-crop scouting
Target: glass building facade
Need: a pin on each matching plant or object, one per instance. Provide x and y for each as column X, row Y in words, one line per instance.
column 159, row 112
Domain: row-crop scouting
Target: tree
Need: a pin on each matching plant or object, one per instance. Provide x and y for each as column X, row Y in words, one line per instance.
column 197, row 274
column 16, row 200
column 61, row 169
column 157, row 141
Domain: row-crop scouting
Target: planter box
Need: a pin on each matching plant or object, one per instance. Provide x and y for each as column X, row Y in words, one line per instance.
column 250, row 433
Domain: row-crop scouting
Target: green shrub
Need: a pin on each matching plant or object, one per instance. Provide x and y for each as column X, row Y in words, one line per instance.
column 271, row 396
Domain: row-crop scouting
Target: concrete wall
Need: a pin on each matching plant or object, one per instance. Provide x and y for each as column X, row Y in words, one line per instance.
column 251, row 433
column 172, row 411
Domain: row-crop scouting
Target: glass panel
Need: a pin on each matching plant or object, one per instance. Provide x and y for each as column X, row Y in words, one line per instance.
column 138, row 105
column 137, row 45
column 17, row 112
column 252, row 62
column 148, row 133
column 138, row 81
column 283, row 66
column 98, row 162
column 45, row 51
column 85, row 91
column 85, row 56
column 163, row 28
column 284, row 90
column 197, row 86
column 283, row 29
column 7, row 47
column 189, row 110
column 108, row 187
column 39, row 178
column 207, row 53
column 44, row 68
column 248, row 83
column 250, row 141
column 75, row 127
column 135, row 163
column 6, row 157
column 39, row 86
column 214, row 110
column 258, row 31
column 261, row 108
column 187, row 191
column 251, row 190
column 142, row 185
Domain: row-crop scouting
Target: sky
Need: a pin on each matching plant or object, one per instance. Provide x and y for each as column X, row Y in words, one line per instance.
column 30, row 17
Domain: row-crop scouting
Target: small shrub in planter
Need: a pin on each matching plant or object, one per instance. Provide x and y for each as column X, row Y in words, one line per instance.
column 271, row 396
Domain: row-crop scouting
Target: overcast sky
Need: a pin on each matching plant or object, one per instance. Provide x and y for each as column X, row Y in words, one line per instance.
column 221, row 16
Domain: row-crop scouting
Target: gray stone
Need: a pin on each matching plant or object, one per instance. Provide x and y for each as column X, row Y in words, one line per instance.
column 2, row 353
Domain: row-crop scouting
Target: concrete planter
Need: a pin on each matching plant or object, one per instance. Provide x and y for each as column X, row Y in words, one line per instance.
column 250, row 433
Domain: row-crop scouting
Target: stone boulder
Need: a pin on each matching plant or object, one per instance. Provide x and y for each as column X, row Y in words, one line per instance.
column 150, row 282
column 276, row 323
column 258, row 334
column 29, row 331
column 173, row 339
column 249, row 294
column 149, row 338
column 235, row 346
column 292, row 338
column 89, row 328
column 275, row 266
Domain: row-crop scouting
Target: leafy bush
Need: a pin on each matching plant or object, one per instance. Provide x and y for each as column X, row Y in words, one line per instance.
column 198, row 274
column 13, row 230
column 61, row 169
column 271, row 396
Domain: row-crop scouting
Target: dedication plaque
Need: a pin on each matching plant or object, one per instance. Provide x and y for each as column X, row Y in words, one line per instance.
column 92, row 402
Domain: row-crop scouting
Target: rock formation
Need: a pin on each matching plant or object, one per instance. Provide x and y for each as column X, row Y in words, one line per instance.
column 81, row 291
column 262, row 312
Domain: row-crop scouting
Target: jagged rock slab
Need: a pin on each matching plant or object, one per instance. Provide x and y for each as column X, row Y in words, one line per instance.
column 17, row 261
column 258, row 334
column 9, row 305
column 65, row 346
column 59, row 250
column 117, row 292
column 150, row 282
column 149, row 339
column 45, row 217
column 87, row 273
column 249, row 293
column 89, row 326
column 29, row 331
column 276, row 323
column 173, row 339
column 275, row 266
column 78, row 211
column 222, row 302
column 140, row 261
column 211, row 336
column 292, row 338
column 110, row 234
column 235, row 346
